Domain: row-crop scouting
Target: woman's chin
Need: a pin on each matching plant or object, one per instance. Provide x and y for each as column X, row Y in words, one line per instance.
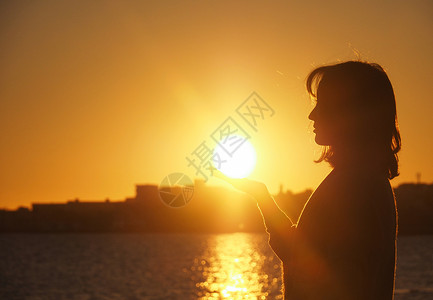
column 321, row 141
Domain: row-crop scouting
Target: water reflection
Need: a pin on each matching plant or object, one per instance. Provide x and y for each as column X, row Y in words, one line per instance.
column 236, row 268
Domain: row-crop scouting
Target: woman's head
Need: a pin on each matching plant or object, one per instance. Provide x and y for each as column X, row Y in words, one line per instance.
column 355, row 115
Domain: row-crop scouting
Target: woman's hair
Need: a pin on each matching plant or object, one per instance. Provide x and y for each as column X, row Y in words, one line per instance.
column 371, row 98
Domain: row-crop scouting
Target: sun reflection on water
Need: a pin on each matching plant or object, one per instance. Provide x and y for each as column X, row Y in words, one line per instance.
column 234, row 269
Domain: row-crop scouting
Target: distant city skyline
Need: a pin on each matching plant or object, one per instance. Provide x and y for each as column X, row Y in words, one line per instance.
column 232, row 211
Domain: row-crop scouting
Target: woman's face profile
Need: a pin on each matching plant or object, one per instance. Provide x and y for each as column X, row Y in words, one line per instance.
column 332, row 122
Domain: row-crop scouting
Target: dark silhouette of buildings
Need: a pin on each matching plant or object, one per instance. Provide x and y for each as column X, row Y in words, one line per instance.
column 415, row 208
column 211, row 209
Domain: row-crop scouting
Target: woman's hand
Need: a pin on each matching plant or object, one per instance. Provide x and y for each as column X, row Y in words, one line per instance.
column 254, row 188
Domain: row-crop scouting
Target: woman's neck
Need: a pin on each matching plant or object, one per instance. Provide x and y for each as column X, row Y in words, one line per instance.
column 363, row 159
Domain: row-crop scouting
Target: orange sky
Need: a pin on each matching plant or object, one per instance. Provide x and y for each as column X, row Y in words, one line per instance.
column 98, row 96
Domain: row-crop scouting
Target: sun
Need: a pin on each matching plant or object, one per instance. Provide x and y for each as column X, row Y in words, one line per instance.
column 242, row 160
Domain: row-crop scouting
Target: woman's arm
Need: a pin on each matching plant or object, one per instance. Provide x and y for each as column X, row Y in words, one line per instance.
column 278, row 225
column 273, row 217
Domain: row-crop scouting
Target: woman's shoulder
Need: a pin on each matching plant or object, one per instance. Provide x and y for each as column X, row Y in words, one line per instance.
column 368, row 189
column 348, row 190
column 361, row 180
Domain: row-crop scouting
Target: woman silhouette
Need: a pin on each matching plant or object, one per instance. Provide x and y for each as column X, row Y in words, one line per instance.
column 343, row 245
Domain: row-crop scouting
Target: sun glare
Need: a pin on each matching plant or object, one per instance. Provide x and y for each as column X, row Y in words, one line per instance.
column 235, row 157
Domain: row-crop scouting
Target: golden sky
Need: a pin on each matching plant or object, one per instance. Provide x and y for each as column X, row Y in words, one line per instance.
column 97, row 96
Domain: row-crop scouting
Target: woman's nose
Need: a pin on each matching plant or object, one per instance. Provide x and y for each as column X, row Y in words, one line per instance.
column 312, row 115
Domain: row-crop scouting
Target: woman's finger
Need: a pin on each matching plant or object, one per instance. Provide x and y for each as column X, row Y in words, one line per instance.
column 246, row 185
column 236, row 182
column 219, row 174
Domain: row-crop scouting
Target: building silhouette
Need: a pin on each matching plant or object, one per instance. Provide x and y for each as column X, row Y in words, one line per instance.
column 211, row 209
